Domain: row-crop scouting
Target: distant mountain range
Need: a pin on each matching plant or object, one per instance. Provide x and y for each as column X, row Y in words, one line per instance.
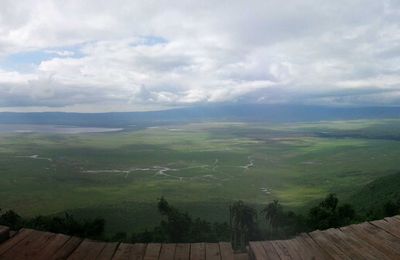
column 236, row 112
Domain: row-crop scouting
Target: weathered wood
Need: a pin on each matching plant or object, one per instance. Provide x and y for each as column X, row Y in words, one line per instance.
column 323, row 241
column 282, row 249
column 152, row 251
column 269, row 250
column 212, row 251
column 397, row 220
column 387, row 227
column 20, row 236
column 30, row 247
column 4, row 233
column 372, row 240
column 182, row 251
column 368, row 244
column 67, row 248
column 393, row 222
column 108, row 251
column 300, row 252
column 354, row 247
column 345, row 245
column 313, row 245
column 198, row 251
column 53, row 246
column 369, row 240
column 130, row 251
column 123, row 251
column 226, row 250
column 257, row 250
column 241, row 256
column 88, row 249
column 362, row 245
column 385, row 237
column 167, row 252
column 311, row 251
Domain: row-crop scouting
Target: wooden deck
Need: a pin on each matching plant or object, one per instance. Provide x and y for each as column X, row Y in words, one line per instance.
column 369, row 240
column 33, row 244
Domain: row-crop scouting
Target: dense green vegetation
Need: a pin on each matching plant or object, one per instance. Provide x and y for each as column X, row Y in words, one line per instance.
column 379, row 198
column 201, row 168
column 66, row 224
column 177, row 226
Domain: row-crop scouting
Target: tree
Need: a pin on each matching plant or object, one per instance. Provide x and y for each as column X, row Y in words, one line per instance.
column 327, row 214
column 243, row 223
column 346, row 214
column 11, row 219
column 273, row 215
column 177, row 224
column 391, row 208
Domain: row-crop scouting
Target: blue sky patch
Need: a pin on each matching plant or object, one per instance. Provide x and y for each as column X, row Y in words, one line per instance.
column 149, row 41
column 27, row 61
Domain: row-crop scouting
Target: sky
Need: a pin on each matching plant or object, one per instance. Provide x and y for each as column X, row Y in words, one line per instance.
column 101, row 55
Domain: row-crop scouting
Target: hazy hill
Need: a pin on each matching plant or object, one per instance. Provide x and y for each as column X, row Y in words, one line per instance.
column 242, row 112
column 375, row 194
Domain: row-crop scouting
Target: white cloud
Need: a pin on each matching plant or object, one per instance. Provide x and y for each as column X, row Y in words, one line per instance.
column 125, row 55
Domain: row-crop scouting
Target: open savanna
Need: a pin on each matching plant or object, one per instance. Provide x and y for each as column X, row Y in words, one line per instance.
column 199, row 167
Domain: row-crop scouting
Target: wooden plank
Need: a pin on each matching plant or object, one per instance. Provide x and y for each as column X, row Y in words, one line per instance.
column 182, row 251
column 257, row 250
column 312, row 249
column 384, row 225
column 30, row 247
column 393, row 219
column 4, row 233
column 344, row 243
column 167, row 252
column 198, row 251
column 241, row 256
column 373, row 240
column 383, row 236
column 372, row 243
column 52, row 247
column 67, row 248
column 31, row 242
column 212, row 251
column 10, row 243
column 301, row 252
column 356, row 248
column 363, row 245
column 324, row 242
column 226, row 250
column 108, row 251
column 314, row 246
column 394, row 223
column 138, row 251
column 123, row 251
column 152, row 251
column 281, row 249
column 88, row 249
column 130, row 251
column 269, row 250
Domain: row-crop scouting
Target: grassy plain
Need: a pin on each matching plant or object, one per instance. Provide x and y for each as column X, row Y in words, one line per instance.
column 199, row 167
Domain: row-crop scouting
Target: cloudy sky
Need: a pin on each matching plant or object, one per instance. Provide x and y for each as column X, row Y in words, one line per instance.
column 94, row 55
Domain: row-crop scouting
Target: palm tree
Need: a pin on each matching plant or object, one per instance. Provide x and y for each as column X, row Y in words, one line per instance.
column 243, row 223
column 273, row 215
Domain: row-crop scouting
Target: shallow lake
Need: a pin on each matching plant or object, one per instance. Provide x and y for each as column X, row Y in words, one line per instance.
column 61, row 129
